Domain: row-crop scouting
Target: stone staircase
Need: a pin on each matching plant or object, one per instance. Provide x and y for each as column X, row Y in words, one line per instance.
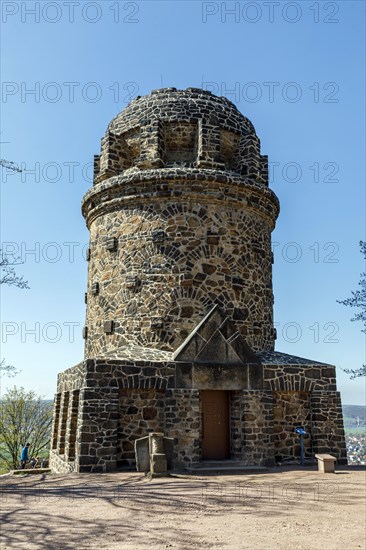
column 221, row 467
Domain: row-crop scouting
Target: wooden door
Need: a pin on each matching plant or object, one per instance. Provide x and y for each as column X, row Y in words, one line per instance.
column 215, row 425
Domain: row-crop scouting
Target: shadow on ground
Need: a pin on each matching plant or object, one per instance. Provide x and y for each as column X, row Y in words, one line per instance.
column 129, row 511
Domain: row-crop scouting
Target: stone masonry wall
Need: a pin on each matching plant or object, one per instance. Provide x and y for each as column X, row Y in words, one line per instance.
column 257, row 434
column 291, row 410
column 183, row 423
column 97, row 430
column 236, row 425
column 95, row 427
column 171, row 264
column 141, row 411
column 327, row 424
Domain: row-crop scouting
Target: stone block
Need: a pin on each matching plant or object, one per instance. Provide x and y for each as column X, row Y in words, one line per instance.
column 183, row 375
column 111, row 244
column 95, row 289
column 223, row 377
column 326, row 463
column 158, row 236
column 158, row 463
column 157, row 323
column 108, row 327
column 149, row 413
column 132, row 282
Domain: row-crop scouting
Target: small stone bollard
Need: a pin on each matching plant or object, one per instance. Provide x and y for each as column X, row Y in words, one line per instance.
column 158, row 462
column 154, row 454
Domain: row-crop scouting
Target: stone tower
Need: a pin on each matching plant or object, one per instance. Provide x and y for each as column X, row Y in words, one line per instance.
column 180, row 219
column 179, row 333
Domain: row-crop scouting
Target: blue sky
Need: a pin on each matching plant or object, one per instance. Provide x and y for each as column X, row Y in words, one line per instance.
column 296, row 69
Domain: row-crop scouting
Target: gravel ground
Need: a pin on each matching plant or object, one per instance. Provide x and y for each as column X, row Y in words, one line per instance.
column 282, row 509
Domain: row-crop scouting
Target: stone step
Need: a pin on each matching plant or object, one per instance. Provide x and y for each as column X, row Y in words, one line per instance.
column 218, row 463
column 31, row 471
column 217, row 467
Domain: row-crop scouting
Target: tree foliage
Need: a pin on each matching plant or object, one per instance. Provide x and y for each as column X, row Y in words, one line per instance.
column 24, row 417
column 358, row 300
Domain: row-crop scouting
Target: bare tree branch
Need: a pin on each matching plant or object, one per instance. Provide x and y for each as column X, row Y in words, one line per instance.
column 8, row 275
column 358, row 300
column 7, row 370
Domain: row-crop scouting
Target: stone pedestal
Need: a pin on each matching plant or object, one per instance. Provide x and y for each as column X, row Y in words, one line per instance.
column 154, row 453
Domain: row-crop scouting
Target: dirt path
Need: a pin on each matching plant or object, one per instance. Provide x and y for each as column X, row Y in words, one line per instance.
column 282, row 509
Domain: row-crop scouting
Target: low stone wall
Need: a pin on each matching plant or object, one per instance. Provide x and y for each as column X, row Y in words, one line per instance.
column 58, row 464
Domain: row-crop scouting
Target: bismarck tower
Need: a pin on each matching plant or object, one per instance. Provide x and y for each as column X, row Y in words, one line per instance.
column 179, row 334
column 180, row 219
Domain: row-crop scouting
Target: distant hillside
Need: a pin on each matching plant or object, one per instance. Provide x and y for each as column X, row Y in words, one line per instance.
column 354, row 416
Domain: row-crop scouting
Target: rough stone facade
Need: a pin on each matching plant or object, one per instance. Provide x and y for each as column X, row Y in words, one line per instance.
column 180, row 300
